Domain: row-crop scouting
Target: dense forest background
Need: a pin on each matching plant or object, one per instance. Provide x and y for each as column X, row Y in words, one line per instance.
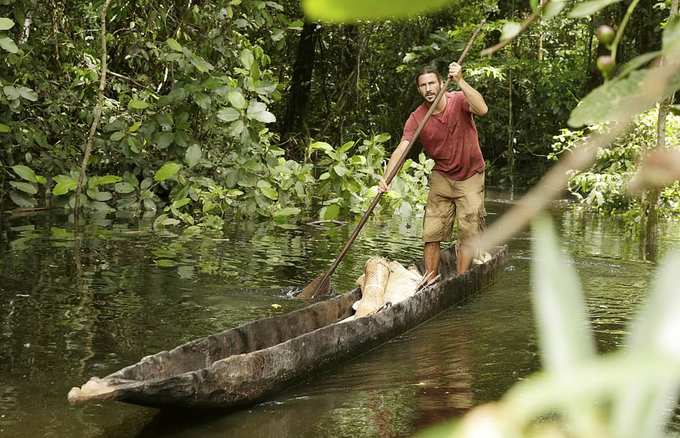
column 244, row 107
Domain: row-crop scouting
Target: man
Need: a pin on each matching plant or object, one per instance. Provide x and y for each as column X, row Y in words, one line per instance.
column 457, row 180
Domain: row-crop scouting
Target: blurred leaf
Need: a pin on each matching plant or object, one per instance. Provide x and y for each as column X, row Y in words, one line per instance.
column 643, row 409
column 4, row 128
column 590, row 7
column 353, row 10
column 602, row 104
column 167, row 171
column 510, row 30
column 553, row 8
column 558, row 303
column 96, row 195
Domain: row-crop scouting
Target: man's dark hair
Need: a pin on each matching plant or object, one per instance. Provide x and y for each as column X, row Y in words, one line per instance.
column 426, row 71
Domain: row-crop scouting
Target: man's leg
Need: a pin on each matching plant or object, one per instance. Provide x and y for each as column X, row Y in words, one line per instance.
column 470, row 211
column 463, row 258
column 431, row 258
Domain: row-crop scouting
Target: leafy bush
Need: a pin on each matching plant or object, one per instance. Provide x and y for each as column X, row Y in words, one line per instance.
column 605, row 186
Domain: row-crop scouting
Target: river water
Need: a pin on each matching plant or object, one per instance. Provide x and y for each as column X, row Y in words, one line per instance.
column 132, row 291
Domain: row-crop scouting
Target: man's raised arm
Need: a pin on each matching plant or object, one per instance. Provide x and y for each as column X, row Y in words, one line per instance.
column 475, row 100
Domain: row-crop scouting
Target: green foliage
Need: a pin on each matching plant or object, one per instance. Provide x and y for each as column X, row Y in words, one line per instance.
column 604, row 187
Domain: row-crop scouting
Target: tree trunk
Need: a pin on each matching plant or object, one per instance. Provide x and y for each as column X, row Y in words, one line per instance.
column 511, row 136
column 650, row 208
column 301, row 82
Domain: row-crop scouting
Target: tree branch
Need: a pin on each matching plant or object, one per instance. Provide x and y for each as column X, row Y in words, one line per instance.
column 98, row 110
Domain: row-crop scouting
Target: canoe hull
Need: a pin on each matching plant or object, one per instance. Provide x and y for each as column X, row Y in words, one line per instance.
column 248, row 374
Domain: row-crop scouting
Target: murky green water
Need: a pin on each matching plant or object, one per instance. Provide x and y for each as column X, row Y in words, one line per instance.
column 134, row 292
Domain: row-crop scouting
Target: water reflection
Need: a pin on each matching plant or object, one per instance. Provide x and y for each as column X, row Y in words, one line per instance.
column 139, row 292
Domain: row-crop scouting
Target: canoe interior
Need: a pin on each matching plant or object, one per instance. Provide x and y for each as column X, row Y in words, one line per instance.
column 258, row 335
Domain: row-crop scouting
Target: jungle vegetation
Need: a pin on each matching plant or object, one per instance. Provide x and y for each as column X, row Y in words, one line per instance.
column 204, row 110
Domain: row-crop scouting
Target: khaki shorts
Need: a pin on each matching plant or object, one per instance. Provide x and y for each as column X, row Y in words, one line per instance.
column 449, row 199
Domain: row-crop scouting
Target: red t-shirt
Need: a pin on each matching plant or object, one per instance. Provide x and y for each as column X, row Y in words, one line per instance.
column 449, row 138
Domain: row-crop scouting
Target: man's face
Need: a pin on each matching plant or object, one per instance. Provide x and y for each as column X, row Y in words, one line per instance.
column 429, row 86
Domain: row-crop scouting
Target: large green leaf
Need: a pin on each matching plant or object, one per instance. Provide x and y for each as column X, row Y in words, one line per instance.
column 4, row 128
column 164, row 139
column 201, row 64
column 193, row 155
column 102, row 180
column 655, row 334
column 11, row 92
column 236, row 99
column 24, row 187
column 590, row 7
column 174, row 45
column 288, row 211
column 138, row 104
column 269, row 193
column 65, row 185
column 228, row 114
column 6, row 23
column 603, row 103
column 236, row 128
column 95, row 194
column 202, row 100
column 167, row 171
column 330, row 212
column 353, row 10
column 247, row 59
column 28, row 94
column 22, row 199
column 124, row 187
column 25, row 172
column 8, row 44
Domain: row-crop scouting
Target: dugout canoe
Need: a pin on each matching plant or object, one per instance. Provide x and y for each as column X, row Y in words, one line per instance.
column 256, row 361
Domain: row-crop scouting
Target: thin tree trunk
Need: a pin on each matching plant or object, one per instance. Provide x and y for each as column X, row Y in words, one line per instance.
column 511, row 135
column 301, row 82
column 650, row 208
column 97, row 114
